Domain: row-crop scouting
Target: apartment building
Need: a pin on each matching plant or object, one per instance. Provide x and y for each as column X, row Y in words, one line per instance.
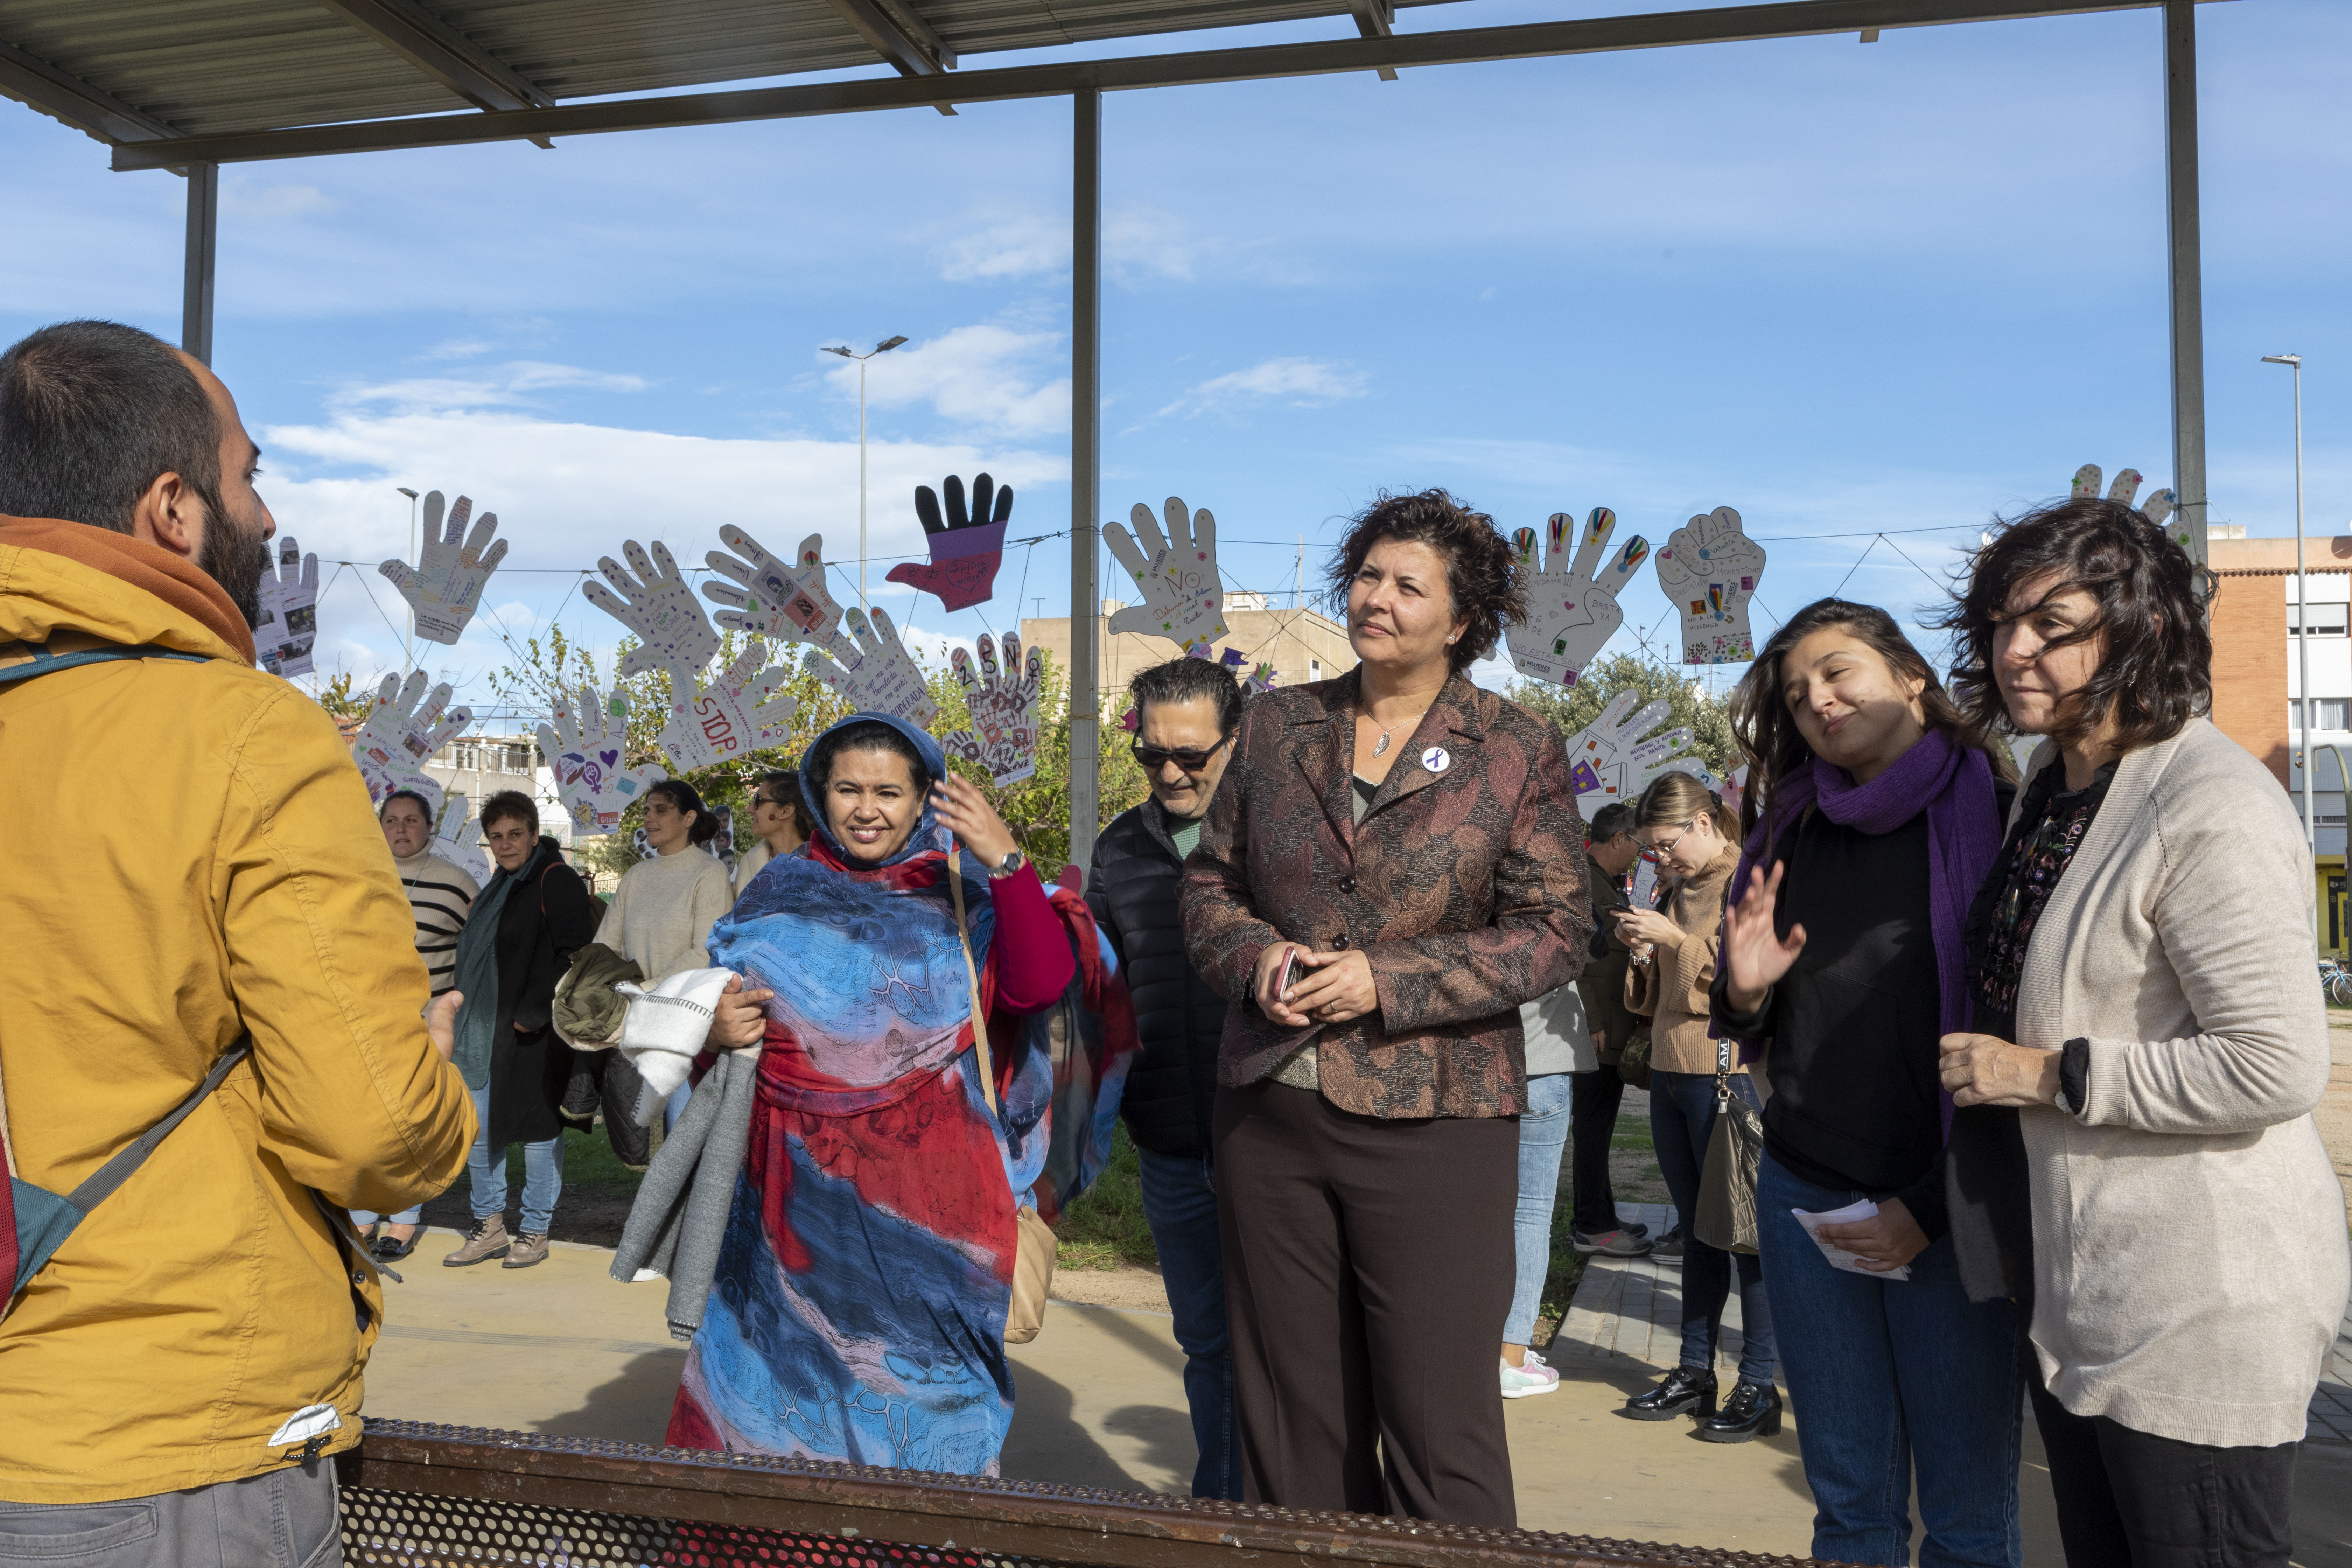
column 1301, row 644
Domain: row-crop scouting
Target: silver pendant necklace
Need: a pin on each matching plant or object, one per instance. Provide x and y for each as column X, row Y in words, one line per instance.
column 1381, row 744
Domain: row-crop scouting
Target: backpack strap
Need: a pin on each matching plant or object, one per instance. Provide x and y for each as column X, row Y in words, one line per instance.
column 40, row 661
column 119, row 1170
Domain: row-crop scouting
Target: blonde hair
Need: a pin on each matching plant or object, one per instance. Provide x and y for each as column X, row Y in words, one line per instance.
column 1675, row 799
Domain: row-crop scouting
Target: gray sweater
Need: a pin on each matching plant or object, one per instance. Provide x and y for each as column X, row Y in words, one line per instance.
column 2189, row 1254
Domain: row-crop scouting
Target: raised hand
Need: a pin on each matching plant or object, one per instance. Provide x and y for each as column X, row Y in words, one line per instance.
column 584, row 747
column 740, row 713
column 404, row 728
column 2156, row 508
column 659, row 605
column 455, row 845
column 445, row 588
column 966, row 549
column 1708, row 570
column 874, row 672
column 1178, row 580
column 1572, row 609
column 770, row 596
column 289, row 611
column 1756, row 956
column 1609, row 759
column 1003, row 703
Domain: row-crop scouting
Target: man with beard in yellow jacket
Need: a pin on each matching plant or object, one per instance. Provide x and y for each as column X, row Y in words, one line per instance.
column 190, row 862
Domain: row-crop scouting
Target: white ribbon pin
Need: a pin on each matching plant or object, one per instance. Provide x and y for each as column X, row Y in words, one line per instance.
column 1436, row 760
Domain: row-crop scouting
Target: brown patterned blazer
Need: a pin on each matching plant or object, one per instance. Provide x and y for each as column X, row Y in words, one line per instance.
column 1464, row 887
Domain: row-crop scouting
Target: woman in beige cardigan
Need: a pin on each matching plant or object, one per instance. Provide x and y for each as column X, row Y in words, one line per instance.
column 1696, row 840
column 2142, row 961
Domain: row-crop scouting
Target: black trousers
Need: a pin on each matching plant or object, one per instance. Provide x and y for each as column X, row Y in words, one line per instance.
column 2133, row 1499
column 1593, row 1099
column 1369, row 1266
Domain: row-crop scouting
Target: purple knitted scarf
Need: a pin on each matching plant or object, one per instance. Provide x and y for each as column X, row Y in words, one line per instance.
column 1953, row 783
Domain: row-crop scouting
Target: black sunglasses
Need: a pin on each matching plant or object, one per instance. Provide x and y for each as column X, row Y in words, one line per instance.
column 1154, row 758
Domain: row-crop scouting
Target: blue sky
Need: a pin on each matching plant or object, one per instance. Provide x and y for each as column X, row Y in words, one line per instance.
column 1843, row 287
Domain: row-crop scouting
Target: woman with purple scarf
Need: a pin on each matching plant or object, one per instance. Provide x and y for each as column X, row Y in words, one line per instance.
column 1874, row 812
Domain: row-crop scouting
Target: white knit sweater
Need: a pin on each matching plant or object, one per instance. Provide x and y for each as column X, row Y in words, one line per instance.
column 663, row 910
column 2190, row 1254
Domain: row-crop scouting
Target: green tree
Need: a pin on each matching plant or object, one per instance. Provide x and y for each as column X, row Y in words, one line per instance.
column 1687, row 703
column 1037, row 809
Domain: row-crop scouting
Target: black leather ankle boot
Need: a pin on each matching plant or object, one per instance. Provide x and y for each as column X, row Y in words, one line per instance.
column 1752, row 1411
column 1686, row 1391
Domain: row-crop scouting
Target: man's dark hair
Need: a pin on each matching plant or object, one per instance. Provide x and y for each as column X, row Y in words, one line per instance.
column 92, row 413
column 509, row 805
column 868, row 735
column 1481, row 567
column 1182, row 680
column 1611, row 820
column 786, row 789
column 424, row 807
column 2156, row 672
column 685, row 797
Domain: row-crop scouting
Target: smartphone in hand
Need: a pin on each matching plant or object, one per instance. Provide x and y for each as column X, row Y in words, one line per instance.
column 1289, row 973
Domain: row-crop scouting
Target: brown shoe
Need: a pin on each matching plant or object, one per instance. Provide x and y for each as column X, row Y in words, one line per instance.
column 488, row 1239
column 529, row 1247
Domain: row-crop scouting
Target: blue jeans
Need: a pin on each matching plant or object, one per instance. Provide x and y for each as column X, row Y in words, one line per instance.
column 1543, row 1135
column 366, row 1218
column 1180, row 1204
column 542, row 1174
column 1682, row 1118
column 1890, row 1374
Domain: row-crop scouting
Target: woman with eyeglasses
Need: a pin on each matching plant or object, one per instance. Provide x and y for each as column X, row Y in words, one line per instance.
column 1695, row 838
column 1392, row 865
column 780, row 819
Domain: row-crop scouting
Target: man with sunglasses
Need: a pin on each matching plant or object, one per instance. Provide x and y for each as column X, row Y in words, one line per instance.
column 1186, row 712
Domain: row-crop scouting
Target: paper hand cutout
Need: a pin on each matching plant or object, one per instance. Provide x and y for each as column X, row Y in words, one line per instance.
column 659, row 605
column 1708, row 570
column 2156, row 508
column 740, row 713
column 772, row 597
column 289, row 611
column 460, row 848
column 585, row 747
column 966, row 549
column 403, row 729
column 1609, row 759
column 1572, row 609
column 1004, row 734
column 445, row 588
column 874, row 673
column 1179, row 583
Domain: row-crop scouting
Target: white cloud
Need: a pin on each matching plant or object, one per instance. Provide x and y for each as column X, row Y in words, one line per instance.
column 1297, row 382
column 987, row 378
column 240, row 197
column 1023, row 247
column 493, row 387
column 457, row 348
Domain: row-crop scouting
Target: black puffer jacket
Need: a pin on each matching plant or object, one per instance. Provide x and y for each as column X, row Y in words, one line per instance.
column 1132, row 887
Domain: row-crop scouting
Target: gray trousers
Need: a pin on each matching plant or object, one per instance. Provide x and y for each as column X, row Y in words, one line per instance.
column 285, row 1519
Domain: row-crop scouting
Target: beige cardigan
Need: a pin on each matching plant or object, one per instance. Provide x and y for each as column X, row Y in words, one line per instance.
column 1671, row 990
column 2190, row 1263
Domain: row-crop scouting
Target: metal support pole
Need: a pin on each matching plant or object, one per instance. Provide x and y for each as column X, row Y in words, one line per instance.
column 2187, row 276
column 1086, row 469
column 203, row 241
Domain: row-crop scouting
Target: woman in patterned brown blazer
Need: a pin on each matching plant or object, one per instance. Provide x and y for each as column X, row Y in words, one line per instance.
column 1407, row 845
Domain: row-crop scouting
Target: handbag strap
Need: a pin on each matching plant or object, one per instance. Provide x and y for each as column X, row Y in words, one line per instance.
column 1722, row 1072
column 971, row 978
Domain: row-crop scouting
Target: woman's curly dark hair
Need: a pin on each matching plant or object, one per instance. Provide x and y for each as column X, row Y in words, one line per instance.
column 1481, row 568
column 2156, row 670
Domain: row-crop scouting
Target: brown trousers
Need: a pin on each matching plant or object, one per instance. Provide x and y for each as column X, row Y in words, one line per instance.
column 1368, row 1268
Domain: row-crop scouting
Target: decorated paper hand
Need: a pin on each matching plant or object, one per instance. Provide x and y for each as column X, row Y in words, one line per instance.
column 659, row 605
column 1609, row 759
column 446, row 587
column 404, row 728
column 1003, row 703
column 453, row 843
column 772, row 597
column 1572, row 609
column 584, row 747
column 1178, row 580
column 1708, row 570
column 289, row 611
column 966, row 549
column 740, row 713
column 874, row 672
column 2158, row 508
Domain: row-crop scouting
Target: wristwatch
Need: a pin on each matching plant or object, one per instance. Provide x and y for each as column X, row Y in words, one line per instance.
column 1012, row 861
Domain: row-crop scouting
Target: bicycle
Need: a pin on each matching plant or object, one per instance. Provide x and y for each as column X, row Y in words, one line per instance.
column 2335, row 982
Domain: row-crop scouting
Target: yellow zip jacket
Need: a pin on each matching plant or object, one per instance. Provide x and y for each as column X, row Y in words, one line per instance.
column 187, row 856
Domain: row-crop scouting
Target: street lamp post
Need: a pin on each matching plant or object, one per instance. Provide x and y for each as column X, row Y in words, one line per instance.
column 408, row 643
column 883, row 347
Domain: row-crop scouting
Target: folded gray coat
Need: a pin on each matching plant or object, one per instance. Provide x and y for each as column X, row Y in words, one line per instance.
column 679, row 1219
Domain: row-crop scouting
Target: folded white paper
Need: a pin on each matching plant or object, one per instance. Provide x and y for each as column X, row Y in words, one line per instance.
column 1839, row 1258
column 666, row 1028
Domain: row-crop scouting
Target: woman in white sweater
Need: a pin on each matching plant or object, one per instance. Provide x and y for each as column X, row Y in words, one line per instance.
column 2141, row 957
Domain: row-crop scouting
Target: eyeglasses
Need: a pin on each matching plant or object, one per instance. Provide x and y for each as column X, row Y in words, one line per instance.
column 760, row 800
column 1154, row 758
column 1663, row 850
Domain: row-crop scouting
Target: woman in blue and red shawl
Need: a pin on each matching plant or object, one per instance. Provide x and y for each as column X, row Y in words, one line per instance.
column 858, row 1309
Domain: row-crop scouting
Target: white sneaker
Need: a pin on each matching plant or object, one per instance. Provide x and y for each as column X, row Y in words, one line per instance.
column 1519, row 1382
